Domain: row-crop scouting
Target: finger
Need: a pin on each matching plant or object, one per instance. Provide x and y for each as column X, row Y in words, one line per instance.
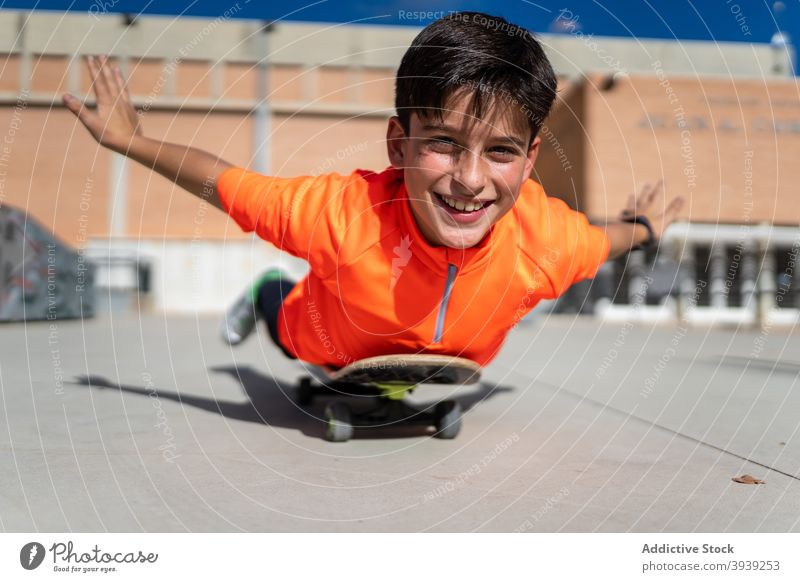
column 647, row 195
column 121, row 86
column 657, row 189
column 78, row 109
column 108, row 76
column 98, row 83
column 636, row 200
column 674, row 207
column 74, row 105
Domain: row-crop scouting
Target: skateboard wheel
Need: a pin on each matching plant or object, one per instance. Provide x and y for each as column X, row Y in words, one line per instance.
column 448, row 419
column 339, row 427
column 305, row 392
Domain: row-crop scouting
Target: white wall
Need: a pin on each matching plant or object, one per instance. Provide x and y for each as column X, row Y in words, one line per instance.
column 187, row 276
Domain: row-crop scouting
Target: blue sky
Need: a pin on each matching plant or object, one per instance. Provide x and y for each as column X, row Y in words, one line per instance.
column 723, row 20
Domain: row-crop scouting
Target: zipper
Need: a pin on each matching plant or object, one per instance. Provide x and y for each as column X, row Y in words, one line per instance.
column 448, row 288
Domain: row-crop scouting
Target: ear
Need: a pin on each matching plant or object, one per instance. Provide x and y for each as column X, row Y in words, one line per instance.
column 533, row 153
column 395, row 143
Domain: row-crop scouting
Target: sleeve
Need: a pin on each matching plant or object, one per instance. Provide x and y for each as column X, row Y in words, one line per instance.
column 303, row 216
column 575, row 249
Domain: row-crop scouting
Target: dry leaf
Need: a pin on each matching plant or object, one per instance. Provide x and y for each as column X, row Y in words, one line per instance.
column 748, row 479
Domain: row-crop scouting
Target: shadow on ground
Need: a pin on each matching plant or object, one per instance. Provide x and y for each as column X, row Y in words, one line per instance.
column 271, row 402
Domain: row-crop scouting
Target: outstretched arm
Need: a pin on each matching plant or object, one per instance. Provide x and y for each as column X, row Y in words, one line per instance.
column 115, row 124
column 649, row 203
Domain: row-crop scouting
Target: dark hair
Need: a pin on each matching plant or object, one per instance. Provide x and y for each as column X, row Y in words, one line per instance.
column 478, row 52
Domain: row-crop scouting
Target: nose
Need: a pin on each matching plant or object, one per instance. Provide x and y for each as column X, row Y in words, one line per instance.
column 470, row 173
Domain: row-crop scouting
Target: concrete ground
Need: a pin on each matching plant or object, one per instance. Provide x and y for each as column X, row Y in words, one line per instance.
column 152, row 424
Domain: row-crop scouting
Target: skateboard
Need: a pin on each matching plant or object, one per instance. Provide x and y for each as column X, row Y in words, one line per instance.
column 386, row 380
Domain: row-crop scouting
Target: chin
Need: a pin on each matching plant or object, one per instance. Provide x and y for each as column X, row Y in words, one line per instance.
column 457, row 241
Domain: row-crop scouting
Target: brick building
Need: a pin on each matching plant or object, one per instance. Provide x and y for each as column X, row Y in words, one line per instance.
column 717, row 122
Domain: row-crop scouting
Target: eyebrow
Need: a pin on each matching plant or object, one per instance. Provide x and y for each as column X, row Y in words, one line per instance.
column 508, row 139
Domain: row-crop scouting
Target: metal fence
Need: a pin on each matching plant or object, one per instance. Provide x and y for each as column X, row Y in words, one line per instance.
column 700, row 274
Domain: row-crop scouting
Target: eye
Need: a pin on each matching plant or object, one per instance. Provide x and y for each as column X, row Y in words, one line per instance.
column 442, row 144
column 502, row 152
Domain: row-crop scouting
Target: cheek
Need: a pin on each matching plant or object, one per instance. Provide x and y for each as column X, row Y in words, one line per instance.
column 433, row 163
column 428, row 168
column 508, row 181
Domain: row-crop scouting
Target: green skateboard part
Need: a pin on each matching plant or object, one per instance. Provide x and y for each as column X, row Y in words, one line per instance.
column 394, row 391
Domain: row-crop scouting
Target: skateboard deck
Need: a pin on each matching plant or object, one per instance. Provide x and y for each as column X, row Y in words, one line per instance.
column 407, row 369
column 389, row 379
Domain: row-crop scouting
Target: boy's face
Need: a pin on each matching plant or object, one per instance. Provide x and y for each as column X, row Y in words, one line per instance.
column 476, row 165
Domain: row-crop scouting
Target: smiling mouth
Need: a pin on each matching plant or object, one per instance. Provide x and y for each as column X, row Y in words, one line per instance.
column 463, row 207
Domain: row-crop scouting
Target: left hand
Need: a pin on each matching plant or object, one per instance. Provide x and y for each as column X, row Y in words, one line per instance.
column 115, row 122
column 650, row 202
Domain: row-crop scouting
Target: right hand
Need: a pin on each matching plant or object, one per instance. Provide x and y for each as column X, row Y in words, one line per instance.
column 114, row 122
column 651, row 202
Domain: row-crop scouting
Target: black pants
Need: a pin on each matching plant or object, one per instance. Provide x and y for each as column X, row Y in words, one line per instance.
column 270, row 297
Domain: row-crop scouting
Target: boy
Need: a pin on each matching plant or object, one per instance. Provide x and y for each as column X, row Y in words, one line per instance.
column 443, row 252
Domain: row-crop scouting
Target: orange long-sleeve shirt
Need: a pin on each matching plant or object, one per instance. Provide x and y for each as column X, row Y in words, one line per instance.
column 376, row 286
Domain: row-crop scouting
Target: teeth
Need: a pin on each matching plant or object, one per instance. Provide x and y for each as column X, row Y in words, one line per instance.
column 462, row 206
